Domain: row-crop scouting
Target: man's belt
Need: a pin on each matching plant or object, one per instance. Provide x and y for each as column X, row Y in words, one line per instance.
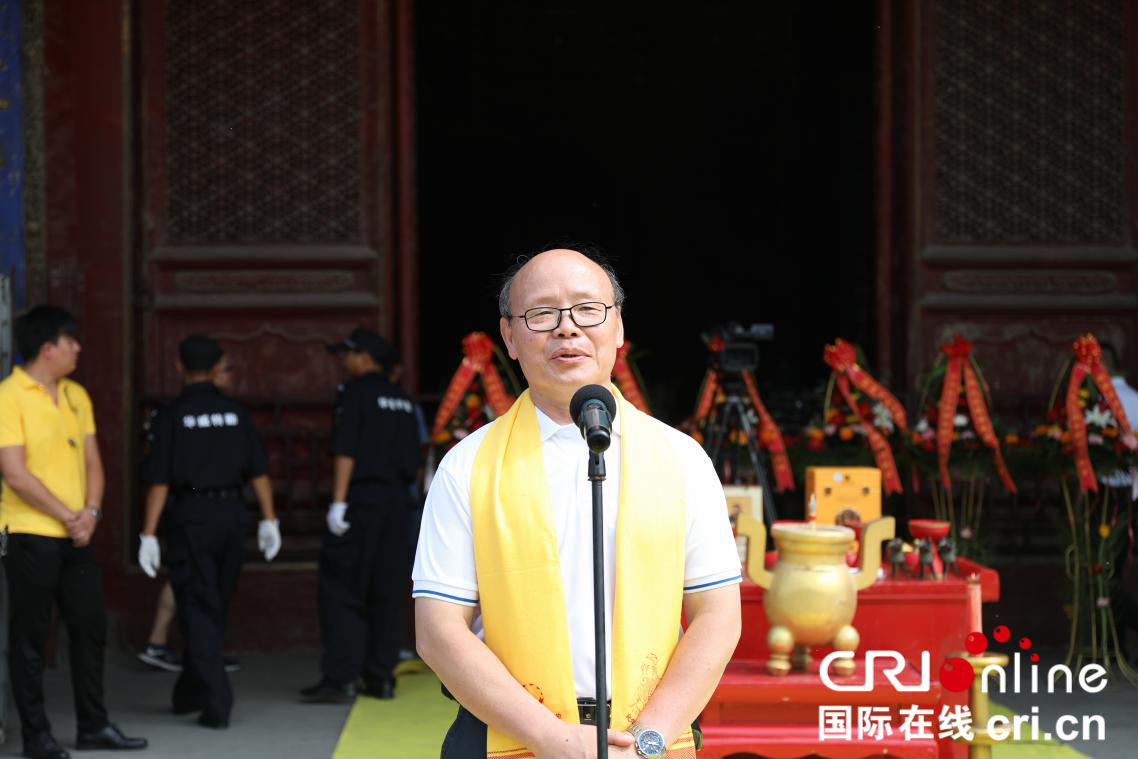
column 189, row 491
column 587, row 710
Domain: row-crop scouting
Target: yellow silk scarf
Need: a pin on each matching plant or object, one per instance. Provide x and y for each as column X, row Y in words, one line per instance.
column 519, row 569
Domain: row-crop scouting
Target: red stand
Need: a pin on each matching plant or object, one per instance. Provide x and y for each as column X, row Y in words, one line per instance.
column 778, row 716
column 754, row 712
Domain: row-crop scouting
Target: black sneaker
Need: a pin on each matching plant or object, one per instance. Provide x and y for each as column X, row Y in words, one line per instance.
column 160, row 657
column 328, row 692
column 232, row 665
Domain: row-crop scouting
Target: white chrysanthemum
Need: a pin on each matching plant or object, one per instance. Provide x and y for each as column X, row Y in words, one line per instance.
column 1098, row 416
column 960, row 420
column 881, row 417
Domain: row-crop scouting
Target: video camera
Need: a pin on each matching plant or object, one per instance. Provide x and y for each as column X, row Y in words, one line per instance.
column 736, row 349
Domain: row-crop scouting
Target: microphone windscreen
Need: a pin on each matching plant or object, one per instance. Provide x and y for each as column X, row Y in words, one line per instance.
column 589, row 393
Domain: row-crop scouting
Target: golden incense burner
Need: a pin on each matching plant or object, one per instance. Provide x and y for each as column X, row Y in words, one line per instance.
column 811, row 595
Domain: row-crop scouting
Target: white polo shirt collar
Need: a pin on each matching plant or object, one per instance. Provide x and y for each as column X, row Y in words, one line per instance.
column 548, row 429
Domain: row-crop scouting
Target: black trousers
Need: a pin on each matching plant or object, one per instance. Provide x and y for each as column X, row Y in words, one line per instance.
column 204, row 547
column 42, row 572
column 466, row 738
column 363, row 578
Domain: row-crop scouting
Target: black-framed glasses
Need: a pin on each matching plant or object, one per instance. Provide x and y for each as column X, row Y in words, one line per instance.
column 547, row 318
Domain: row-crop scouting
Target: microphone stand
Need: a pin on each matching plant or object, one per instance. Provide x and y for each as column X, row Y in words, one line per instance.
column 597, row 477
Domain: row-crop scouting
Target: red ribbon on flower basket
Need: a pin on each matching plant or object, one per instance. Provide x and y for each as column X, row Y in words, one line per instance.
column 478, row 359
column 771, row 438
column 706, row 396
column 842, row 358
column 626, row 381
column 959, row 355
column 710, row 384
column 769, row 435
column 1088, row 360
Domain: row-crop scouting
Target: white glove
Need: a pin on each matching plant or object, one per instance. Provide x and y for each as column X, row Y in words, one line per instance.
column 149, row 555
column 336, row 524
column 269, row 538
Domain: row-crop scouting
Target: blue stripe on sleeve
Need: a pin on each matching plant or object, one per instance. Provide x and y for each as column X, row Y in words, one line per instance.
column 713, row 584
column 470, row 601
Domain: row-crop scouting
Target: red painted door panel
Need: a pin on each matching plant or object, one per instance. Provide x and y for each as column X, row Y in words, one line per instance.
column 265, row 212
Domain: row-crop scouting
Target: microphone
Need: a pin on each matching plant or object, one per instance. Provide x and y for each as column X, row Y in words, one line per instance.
column 593, row 408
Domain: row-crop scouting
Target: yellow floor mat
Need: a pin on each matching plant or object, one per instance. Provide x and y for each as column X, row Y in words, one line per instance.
column 409, row 726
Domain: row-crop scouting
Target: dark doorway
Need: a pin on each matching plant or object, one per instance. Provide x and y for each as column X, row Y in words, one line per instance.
column 720, row 151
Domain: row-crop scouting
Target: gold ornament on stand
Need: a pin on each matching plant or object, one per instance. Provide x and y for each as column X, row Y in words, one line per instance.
column 811, row 595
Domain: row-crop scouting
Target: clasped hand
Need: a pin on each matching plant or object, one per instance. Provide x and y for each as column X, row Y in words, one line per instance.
column 80, row 527
column 580, row 742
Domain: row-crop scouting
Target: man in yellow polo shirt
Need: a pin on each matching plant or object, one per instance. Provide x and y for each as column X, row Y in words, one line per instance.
column 50, row 506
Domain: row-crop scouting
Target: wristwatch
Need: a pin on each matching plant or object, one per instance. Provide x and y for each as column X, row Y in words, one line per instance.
column 649, row 743
column 97, row 512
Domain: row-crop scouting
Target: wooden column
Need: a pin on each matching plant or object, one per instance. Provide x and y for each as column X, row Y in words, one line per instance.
column 88, row 238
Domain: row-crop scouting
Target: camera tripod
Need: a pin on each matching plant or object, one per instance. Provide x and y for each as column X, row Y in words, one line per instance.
column 738, row 405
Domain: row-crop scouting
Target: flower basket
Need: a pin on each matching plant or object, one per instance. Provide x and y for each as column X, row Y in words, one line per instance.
column 476, row 394
column 732, row 432
column 627, row 377
column 862, row 423
column 1087, row 443
column 956, row 445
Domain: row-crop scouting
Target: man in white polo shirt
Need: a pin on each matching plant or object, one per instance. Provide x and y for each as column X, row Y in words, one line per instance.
column 503, row 578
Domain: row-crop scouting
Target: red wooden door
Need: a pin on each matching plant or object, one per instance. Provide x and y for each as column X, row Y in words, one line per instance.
column 265, row 211
column 1014, row 179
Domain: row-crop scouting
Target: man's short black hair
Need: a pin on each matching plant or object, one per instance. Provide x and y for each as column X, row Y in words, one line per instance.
column 199, row 354
column 41, row 325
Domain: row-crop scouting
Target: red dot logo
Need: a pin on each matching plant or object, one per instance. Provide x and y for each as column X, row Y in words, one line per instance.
column 976, row 643
column 1025, row 643
column 1002, row 634
column 1035, row 657
column 956, row 674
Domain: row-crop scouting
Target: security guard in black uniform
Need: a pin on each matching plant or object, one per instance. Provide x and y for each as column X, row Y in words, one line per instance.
column 363, row 564
column 203, row 448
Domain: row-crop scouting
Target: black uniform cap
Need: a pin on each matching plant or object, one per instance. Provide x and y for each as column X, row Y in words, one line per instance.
column 199, row 353
column 363, row 340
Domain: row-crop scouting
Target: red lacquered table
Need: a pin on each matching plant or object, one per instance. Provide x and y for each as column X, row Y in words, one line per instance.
column 755, row 713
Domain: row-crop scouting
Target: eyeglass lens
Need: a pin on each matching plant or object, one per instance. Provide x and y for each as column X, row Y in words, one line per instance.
column 583, row 314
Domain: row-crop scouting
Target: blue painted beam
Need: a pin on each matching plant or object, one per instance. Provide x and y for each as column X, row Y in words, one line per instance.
column 11, row 151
